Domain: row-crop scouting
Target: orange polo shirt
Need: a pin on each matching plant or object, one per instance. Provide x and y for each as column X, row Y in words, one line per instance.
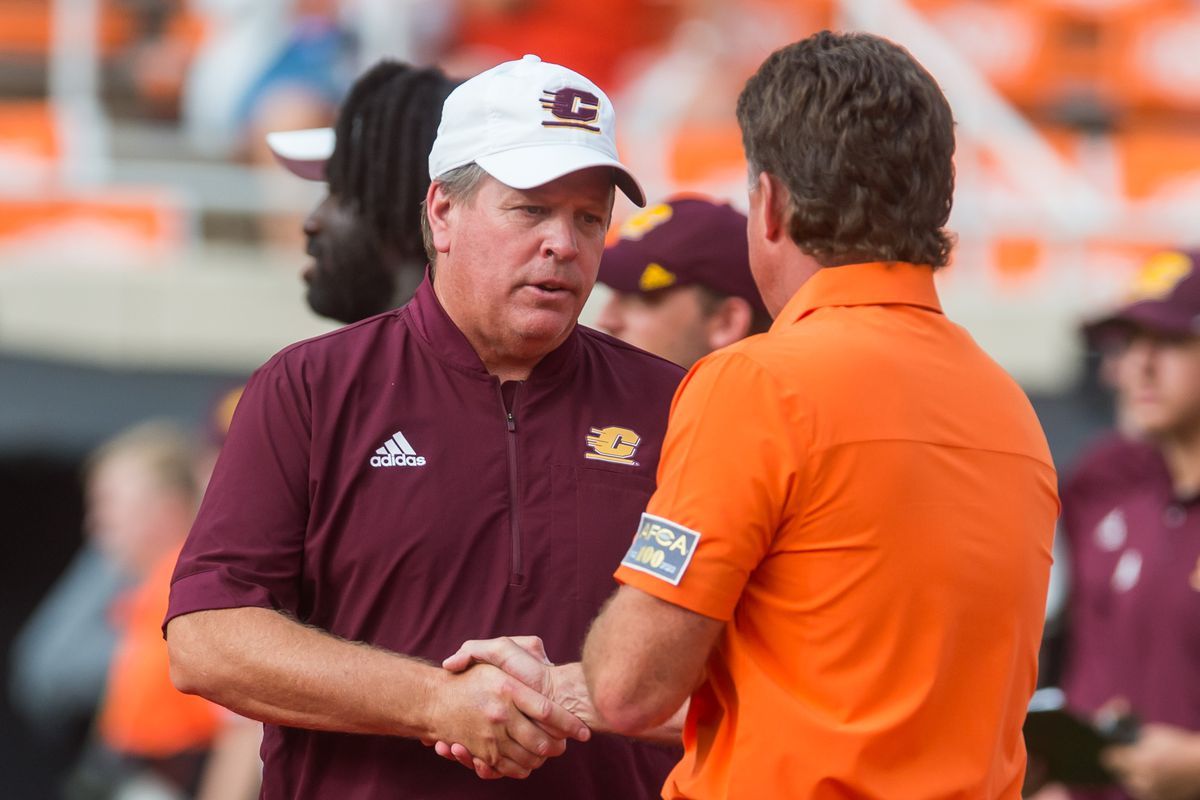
column 868, row 501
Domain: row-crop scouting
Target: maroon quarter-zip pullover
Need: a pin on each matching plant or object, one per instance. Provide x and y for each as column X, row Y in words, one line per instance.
column 379, row 484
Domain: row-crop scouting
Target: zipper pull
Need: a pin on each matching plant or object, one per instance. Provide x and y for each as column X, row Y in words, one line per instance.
column 512, row 423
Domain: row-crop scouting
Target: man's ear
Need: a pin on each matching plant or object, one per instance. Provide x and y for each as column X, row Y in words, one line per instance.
column 729, row 322
column 438, row 209
column 774, row 199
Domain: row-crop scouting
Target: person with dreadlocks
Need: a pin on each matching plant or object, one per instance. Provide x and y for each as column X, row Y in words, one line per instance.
column 365, row 235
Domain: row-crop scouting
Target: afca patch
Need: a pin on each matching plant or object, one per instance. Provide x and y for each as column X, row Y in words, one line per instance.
column 661, row 548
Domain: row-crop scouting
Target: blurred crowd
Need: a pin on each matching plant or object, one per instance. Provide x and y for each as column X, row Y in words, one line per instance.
column 1113, row 87
column 92, row 89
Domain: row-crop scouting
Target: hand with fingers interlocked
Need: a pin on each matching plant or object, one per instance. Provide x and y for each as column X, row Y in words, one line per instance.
column 494, row 714
column 523, row 660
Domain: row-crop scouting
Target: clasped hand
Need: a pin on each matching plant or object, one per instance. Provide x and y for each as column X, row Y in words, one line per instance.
column 531, row 707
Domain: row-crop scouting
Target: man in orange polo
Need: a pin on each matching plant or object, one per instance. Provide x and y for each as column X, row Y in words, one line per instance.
column 845, row 562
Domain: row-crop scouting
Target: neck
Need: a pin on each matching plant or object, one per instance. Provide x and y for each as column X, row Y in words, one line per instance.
column 1181, row 451
column 795, row 269
column 497, row 359
column 509, row 371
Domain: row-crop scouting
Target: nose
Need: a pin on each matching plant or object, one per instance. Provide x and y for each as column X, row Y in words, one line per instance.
column 1139, row 357
column 312, row 223
column 609, row 319
column 560, row 242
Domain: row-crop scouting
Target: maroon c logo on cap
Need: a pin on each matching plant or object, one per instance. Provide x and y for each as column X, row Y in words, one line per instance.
column 575, row 107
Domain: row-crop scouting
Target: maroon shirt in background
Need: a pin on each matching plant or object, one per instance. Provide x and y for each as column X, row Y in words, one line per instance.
column 1134, row 608
column 489, row 527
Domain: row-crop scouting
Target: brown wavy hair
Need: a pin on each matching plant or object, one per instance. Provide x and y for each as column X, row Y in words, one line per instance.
column 862, row 138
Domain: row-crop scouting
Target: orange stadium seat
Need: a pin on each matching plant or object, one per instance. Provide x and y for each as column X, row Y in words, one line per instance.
column 1154, row 160
column 28, row 128
column 1043, row 52
column 1009, row 42
column 704, row 151
column 144, row 225
column 1155, row 68
column 25, row 27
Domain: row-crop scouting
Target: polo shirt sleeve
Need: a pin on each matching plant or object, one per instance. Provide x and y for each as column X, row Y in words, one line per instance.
column 727, row 471
column 246, row 545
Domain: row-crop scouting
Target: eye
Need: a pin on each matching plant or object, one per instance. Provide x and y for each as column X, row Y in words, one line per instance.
column 592, row 219
column 534, row 211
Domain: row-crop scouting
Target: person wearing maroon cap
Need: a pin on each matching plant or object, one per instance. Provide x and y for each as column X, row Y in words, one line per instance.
column 465, row 467
column 681, row 282
column 1131, row 519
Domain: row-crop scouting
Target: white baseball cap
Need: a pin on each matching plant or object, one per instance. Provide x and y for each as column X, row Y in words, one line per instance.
column 528, row 122
column 304, row 152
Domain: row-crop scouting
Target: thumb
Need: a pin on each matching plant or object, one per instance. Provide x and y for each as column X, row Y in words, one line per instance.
column 461, row 659
column 506, row 655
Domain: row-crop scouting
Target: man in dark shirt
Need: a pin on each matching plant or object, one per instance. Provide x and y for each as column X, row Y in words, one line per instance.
column 365, row 235
column 465, row 467
column 1132, row 522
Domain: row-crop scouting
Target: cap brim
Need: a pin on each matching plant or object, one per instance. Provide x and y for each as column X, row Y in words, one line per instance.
column 1147, row 315
column 304, row 152
column 527, row 167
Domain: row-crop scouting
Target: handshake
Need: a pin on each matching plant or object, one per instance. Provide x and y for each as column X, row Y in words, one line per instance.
column 504, row 708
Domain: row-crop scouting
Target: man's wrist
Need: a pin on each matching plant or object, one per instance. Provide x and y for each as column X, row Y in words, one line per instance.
column 568, row 688
column 423, row 719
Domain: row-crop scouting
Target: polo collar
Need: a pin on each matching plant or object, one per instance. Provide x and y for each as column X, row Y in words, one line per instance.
column 451, row 346
column 872, row 284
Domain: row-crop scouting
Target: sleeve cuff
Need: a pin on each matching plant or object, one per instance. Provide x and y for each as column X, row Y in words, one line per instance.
column 709, row 605
column 213, row 589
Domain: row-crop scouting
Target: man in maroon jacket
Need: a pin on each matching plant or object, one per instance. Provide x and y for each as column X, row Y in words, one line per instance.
column 468, row 466
column 1131, row 517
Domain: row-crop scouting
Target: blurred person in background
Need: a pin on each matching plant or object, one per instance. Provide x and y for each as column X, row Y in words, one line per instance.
column 143, row 498
column 262, row 65
column 681, row 282
column 1131, row 525
column 61, row 657
column 365, row 236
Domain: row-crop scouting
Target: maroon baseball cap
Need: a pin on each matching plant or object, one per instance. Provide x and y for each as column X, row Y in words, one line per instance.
column 1164, row 299
column 684, row 241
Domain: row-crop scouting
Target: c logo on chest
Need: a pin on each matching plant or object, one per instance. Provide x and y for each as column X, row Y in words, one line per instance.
column 614, row 445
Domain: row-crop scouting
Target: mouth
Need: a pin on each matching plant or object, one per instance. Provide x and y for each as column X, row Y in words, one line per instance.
column 312, row 250
column 551, row 288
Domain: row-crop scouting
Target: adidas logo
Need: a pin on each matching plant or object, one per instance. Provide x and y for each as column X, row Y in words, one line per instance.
column 397, row 452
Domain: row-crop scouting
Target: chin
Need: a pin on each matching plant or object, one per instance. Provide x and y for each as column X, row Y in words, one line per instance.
column 1153, row 428
column 544, row 336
